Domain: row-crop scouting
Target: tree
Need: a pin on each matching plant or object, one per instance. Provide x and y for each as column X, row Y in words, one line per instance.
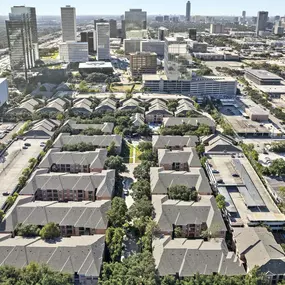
column 92, row 132
column 178, row 233
column 112, row 149
column 141, row 172
column 221, row 201
column 200, row 149
column 33, row 274
column 83, row 87
column 27, row 230
column 117, row 163
column 50, row 231
column 277, row 167
column 203, row 130
column 118, row 214
column 148, row 155
column 182, row 192
column 143, row 146
column 141, row 189
column 114, row 240
column 60, row 117
column 144, row 130
column 141, row 208
column 2, row 215
column 172, row 105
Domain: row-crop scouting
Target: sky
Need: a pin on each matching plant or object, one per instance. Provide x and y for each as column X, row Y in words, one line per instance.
column 153, row 7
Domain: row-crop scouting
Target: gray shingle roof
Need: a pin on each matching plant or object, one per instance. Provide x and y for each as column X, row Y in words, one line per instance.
column 161, row 179
column 56, row 105
column 100, row 141
column 173, row 141
column 158, row 106
column 187, row 155
column 181, row 213
column 81, row 254
column 84, row 214
column 175, row 121
column 138, row 119
column 104, row 182
column 26, row 106
column 96, row 159
column 107, row 104
column 83, row 104
column 43, row 128
column 104, row 127
column 189, row 257
column 260, row 248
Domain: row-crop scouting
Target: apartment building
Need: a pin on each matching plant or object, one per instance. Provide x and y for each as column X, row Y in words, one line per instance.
column 157, row 111
column 26, row 107
column 162, row 33
column 160, row 179
column 101, row 141
column 63, row 187
column 73, row 218
column 71, row 126
column 80, row 256
column 57, row 105
column 173, row 142
column 82, row 107
column 193, row 218
column 178, row 160
column 74, row 162
column 143, row 63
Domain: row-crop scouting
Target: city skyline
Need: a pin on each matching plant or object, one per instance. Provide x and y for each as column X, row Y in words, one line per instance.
column 110, row 7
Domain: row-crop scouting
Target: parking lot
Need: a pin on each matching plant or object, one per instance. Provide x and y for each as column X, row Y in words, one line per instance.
column 9, row 135
column 16, row 160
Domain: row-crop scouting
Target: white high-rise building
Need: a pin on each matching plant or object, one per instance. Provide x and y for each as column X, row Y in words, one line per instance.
column 68, row 23
column 262, row 18
column 73, row 51
column 103, row 41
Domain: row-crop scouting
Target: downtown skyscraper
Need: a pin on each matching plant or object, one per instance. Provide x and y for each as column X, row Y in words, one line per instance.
column 188, row 11
column 68, row 23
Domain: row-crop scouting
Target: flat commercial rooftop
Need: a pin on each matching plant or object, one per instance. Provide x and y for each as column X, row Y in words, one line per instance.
column 263, row 74
column 245, row 195
column 96, row 64
column 278, row 89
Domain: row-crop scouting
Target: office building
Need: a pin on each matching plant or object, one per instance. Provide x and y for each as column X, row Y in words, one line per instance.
column 188, row 11
column 23, row 46
column 278, row 28
column 166, row 18
column 68, row 23
column 243, row 14
column 3, row 91
column 143, row 63
column 262, row 77
column 156, row 46
column 159, row 19
column 31, row 12
column 192, row 33
column 96, row 66
column 73, row 51
column 103, row 41
column 262, row 19
column 217, row 29
column 216, row 87
column 132, row 45
column 135, row 19
column 113, row 28
column 162, row 33
column 88, row 37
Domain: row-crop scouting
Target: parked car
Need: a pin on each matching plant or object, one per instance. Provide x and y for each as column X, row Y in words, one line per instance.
column 235, row 175
column 6, row 194
column 126, row 192
column 27, row 144
column 24, row 147
column 215, row 171
column 221, row 181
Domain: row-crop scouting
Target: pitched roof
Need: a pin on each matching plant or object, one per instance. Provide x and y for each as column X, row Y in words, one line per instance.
column 100, row 141
column 220, row 144
column 101, row 183
column 161, row 179
column 104, row 127
column 173, row 141
column 181, row 213
column 187, row 155
column 260, row 248
column 158, row 107
column 42, row 128
column 96, row 159
column 26, row 106
column 176, row 121
column 81, row 254
column 82, row 104
column 84, row 214
column 138, row 119
column 130, row 104
column 57, row 104
column 189, row 257
column 108, row 103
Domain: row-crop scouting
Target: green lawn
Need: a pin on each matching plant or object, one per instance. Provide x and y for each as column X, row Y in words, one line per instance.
column 131, row 153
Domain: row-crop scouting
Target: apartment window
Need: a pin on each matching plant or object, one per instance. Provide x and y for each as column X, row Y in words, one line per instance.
column 90, row 195
column 85, row 168
column 81, row 231
column 176, row 166
column 69, row 230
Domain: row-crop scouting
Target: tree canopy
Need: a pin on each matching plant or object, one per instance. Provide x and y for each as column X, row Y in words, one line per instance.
column 50, row 231
column 182, row 192
column 117, row 215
